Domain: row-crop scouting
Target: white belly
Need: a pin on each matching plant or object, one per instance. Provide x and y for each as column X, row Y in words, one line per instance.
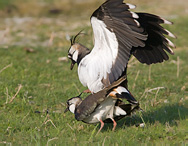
column 90, row 75
column 103, row 111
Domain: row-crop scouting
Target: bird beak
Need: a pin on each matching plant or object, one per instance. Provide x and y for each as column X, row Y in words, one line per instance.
column 72, row 64
column 72, row 61
column 66, row 110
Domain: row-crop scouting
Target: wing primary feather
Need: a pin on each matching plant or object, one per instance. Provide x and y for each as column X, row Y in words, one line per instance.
column 131, row 6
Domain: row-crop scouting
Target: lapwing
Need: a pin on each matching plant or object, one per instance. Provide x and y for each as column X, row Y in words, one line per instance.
column 104, row 106
column 118, row 34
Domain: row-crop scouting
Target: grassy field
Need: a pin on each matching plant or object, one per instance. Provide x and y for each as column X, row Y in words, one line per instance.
column 35, row 81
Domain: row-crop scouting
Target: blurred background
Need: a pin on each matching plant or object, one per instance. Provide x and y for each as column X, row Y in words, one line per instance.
column 35, row 23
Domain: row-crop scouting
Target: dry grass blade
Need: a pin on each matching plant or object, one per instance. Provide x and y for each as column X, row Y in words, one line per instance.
column 149, row 73
column 178, row 66
column 93, row 132
column 6, row 67
column 70, row 127
column 150, row 91
column 132, row 62
column 157, row 88
column 155, row 99
column 19, row 88
column 76, row 88
column 25, row 116
column 50, row 42
column 51, row 140
column 6, row 143
column 136, row 79
column 104, row 141
column 49, row 120
column 7, row 95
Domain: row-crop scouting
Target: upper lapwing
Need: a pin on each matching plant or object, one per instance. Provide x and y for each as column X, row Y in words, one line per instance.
column 118, row 34
column 104, row 105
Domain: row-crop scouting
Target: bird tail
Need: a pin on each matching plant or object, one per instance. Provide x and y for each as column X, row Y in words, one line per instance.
column 129, row 108
column 122, row 93
column 118, row 91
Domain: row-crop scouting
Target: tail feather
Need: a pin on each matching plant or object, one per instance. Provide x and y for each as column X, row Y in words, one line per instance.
column 123, row 93
column 128, row 97
column 128, row 108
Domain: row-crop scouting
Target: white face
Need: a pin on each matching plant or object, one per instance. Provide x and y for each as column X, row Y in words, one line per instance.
column 72, row 103
column 73, row 53
column 72, row 108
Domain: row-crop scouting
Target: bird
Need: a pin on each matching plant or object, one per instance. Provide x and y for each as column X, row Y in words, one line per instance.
column 118, row 34
column 104, row 106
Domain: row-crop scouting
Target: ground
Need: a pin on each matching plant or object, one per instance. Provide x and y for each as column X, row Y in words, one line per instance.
column 36, row 80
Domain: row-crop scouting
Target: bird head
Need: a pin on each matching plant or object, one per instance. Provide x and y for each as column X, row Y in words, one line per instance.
column 72, row 103
column 73, row 54
column 77, row 51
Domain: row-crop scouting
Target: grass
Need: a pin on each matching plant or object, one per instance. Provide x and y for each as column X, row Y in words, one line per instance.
column 33, row 114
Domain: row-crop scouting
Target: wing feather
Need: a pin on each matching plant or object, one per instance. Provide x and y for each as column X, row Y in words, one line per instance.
column 156, row 43
column 118, row 33
column 113, row 40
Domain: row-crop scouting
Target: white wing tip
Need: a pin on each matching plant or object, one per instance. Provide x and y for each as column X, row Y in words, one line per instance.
column 134, row 15
column 170, row 43
column 171, row 51
column 137, row 23
column 170, row 34
column 131, row 6
column 166, row 21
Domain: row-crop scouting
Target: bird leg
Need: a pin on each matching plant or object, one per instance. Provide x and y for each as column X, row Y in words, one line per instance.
column 114, row 123
column 87, row 91
column 102, row 125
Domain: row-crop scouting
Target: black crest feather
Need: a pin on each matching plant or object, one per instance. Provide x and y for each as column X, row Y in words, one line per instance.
column 73, row 38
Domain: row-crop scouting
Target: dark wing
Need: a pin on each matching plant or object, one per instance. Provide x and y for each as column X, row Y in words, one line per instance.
column 91, row 102
column 157, row 44
column 116, row 31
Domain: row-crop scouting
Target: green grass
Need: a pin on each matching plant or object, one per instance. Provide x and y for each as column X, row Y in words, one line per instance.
column 36, row 114
column 46, row 87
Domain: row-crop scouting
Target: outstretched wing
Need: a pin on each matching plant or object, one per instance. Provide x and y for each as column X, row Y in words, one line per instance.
column 157, row 44
column 116, row 31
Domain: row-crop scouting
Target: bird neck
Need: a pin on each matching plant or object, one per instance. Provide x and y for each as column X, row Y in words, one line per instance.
column 83, row 51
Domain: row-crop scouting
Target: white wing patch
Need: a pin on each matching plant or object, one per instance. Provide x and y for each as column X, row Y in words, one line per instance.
column 118, row 111
column 121, row 89
column 96, row 65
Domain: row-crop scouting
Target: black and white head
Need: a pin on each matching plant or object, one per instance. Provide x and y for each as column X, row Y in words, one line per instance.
column 77, row 51
column 73, row 103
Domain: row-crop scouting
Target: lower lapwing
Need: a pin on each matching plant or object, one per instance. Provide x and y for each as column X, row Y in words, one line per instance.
column 103, row 106
column 118, row 34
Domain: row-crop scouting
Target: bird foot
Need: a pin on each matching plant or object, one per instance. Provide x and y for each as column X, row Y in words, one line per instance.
column 114, row 123
column 102, row 125
column 87, row 91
